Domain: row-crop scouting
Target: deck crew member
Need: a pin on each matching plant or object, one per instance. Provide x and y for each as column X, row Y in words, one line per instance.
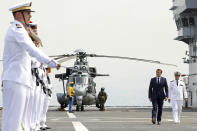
column 177, row 93
column 16, row 76
column 158, row 92
column 102, row 97
column 71, row 93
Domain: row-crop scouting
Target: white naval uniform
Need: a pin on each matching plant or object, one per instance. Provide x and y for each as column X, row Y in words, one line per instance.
column 47, row 100
column 35, row 98
column 16, row 75
column 176, row 95
column 41, row 98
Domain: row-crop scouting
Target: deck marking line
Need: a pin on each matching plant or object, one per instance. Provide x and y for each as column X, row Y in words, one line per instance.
column 169, row 120
column 71, row 115
column 55, row 119
column 66, row 109
column 79, row 126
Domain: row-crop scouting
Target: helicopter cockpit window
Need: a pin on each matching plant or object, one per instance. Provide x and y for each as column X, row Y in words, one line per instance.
column 185, row 22
column 191, row 21
column 78, row 80
column 81, row 80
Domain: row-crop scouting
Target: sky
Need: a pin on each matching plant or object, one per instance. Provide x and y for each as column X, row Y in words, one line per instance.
column 134, row 28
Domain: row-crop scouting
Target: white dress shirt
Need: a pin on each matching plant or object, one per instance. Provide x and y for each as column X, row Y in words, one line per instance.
column 157, row 79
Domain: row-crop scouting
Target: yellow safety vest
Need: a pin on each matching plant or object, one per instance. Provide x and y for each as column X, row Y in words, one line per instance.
column 71, row 91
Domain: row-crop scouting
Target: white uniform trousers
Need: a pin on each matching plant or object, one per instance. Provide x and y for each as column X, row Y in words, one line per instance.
column 27, row 112
column 176, row 110
column 47, row 100
column 36, row 107
column 40, row 109
column 15, row 101
column 28, row 121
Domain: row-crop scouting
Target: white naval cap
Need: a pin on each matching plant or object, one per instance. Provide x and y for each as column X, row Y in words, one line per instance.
column 25, row 6
column 177, row 73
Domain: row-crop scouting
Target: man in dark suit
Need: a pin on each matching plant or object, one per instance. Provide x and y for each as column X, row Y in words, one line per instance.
column 158, row 92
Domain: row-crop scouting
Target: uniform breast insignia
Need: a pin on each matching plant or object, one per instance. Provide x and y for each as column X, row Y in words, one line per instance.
column 18, row 26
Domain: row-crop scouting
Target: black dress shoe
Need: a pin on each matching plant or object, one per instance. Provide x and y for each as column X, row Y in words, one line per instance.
column 153, row 121
column 48, row 127
column 42, row 128
column 158, row 123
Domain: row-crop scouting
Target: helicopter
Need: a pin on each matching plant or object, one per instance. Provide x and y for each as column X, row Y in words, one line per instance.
column 83, row 77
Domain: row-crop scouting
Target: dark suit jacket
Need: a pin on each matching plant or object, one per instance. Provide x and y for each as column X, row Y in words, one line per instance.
column 158, row 90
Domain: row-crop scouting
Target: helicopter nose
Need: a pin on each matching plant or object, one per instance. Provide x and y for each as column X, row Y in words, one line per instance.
column 80, row 90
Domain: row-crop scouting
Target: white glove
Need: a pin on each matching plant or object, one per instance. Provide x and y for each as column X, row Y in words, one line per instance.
column 53, row 64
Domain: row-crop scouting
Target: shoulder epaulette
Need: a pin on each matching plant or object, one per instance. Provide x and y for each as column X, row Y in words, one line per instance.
column 18, row 26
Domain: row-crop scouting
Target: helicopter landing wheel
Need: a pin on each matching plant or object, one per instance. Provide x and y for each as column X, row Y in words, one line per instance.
column 82, row 108
column 77, row 108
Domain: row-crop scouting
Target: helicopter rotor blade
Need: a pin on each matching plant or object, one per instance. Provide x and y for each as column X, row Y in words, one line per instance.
column 57, row 58
column 64, row 59
column 129, row 58
column 64, row 55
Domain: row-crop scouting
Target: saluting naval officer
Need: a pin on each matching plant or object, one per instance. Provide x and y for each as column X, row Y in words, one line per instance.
column 43, row 97
column 16, row 77
column 177, row 93
column 158, row 92
column 36, row 74
column 47, row 99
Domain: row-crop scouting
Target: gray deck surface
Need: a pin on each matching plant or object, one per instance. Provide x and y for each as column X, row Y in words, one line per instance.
column 120, row 119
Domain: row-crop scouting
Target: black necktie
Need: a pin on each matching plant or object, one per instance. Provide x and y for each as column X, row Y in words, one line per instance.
column 157, row 80
column 177, row 82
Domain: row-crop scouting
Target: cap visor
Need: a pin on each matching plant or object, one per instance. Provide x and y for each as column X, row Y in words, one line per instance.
column 29, row 10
